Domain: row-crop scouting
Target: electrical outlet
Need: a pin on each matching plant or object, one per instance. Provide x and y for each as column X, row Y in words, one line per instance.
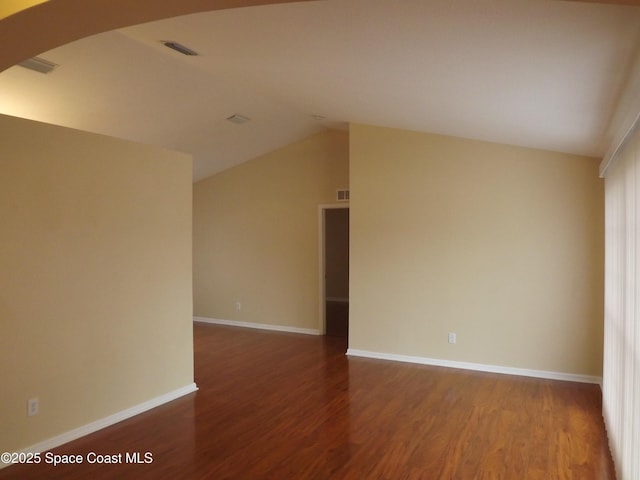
column 33, row 406
column 452, row 337
column 238, row 306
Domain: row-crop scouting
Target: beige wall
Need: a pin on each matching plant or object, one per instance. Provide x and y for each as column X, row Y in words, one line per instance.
column 95, row 277
column 256, row 233
column 502, row 245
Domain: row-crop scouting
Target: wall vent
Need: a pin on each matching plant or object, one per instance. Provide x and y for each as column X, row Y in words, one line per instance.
column 238, row 119
column 342, row 195
column 38, row 64
column 179, row 48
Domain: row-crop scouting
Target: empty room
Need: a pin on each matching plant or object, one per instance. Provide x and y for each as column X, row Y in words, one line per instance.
column 320, row 239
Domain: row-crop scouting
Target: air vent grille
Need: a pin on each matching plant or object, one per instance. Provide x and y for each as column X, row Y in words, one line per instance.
column 38, row 64
column 238, row 119
column 179, row 48
column 342, row 195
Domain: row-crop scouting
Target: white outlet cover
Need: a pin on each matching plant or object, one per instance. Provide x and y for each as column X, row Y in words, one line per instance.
column 33, row 406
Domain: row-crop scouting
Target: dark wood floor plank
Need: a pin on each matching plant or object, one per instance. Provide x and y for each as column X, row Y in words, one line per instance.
column 284, row 406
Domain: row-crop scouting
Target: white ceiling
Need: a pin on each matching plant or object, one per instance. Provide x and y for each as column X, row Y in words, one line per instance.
column 539, row 73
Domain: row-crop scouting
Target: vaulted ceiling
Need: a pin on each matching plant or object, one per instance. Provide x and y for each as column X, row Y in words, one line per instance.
column 537, row 73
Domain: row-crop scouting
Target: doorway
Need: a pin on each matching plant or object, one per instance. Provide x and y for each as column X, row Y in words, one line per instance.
column 335, row 278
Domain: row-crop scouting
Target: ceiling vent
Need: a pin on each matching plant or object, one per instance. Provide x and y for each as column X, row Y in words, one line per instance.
column 38, row 64
column 238, row 119
column 342, row 195
column 179, row 48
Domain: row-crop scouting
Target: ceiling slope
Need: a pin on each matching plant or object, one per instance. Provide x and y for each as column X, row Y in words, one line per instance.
column 535, row 73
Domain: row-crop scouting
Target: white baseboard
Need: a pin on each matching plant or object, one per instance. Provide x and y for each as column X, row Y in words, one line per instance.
column 569, row 377
column 260, row 326
column 107, row 421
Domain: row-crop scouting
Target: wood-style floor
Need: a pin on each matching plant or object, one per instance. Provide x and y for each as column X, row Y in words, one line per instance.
column 284, row 406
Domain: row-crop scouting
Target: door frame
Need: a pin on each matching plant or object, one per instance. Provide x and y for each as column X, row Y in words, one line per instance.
column 322, row 267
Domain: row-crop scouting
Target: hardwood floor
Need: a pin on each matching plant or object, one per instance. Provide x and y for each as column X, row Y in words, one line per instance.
column 284, row 406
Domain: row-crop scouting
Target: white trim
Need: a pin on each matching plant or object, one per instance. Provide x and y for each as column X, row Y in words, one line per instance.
column 569, row 377
column 626, row 117
column 612, row 155
column 106, row 421
column 260, row 326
